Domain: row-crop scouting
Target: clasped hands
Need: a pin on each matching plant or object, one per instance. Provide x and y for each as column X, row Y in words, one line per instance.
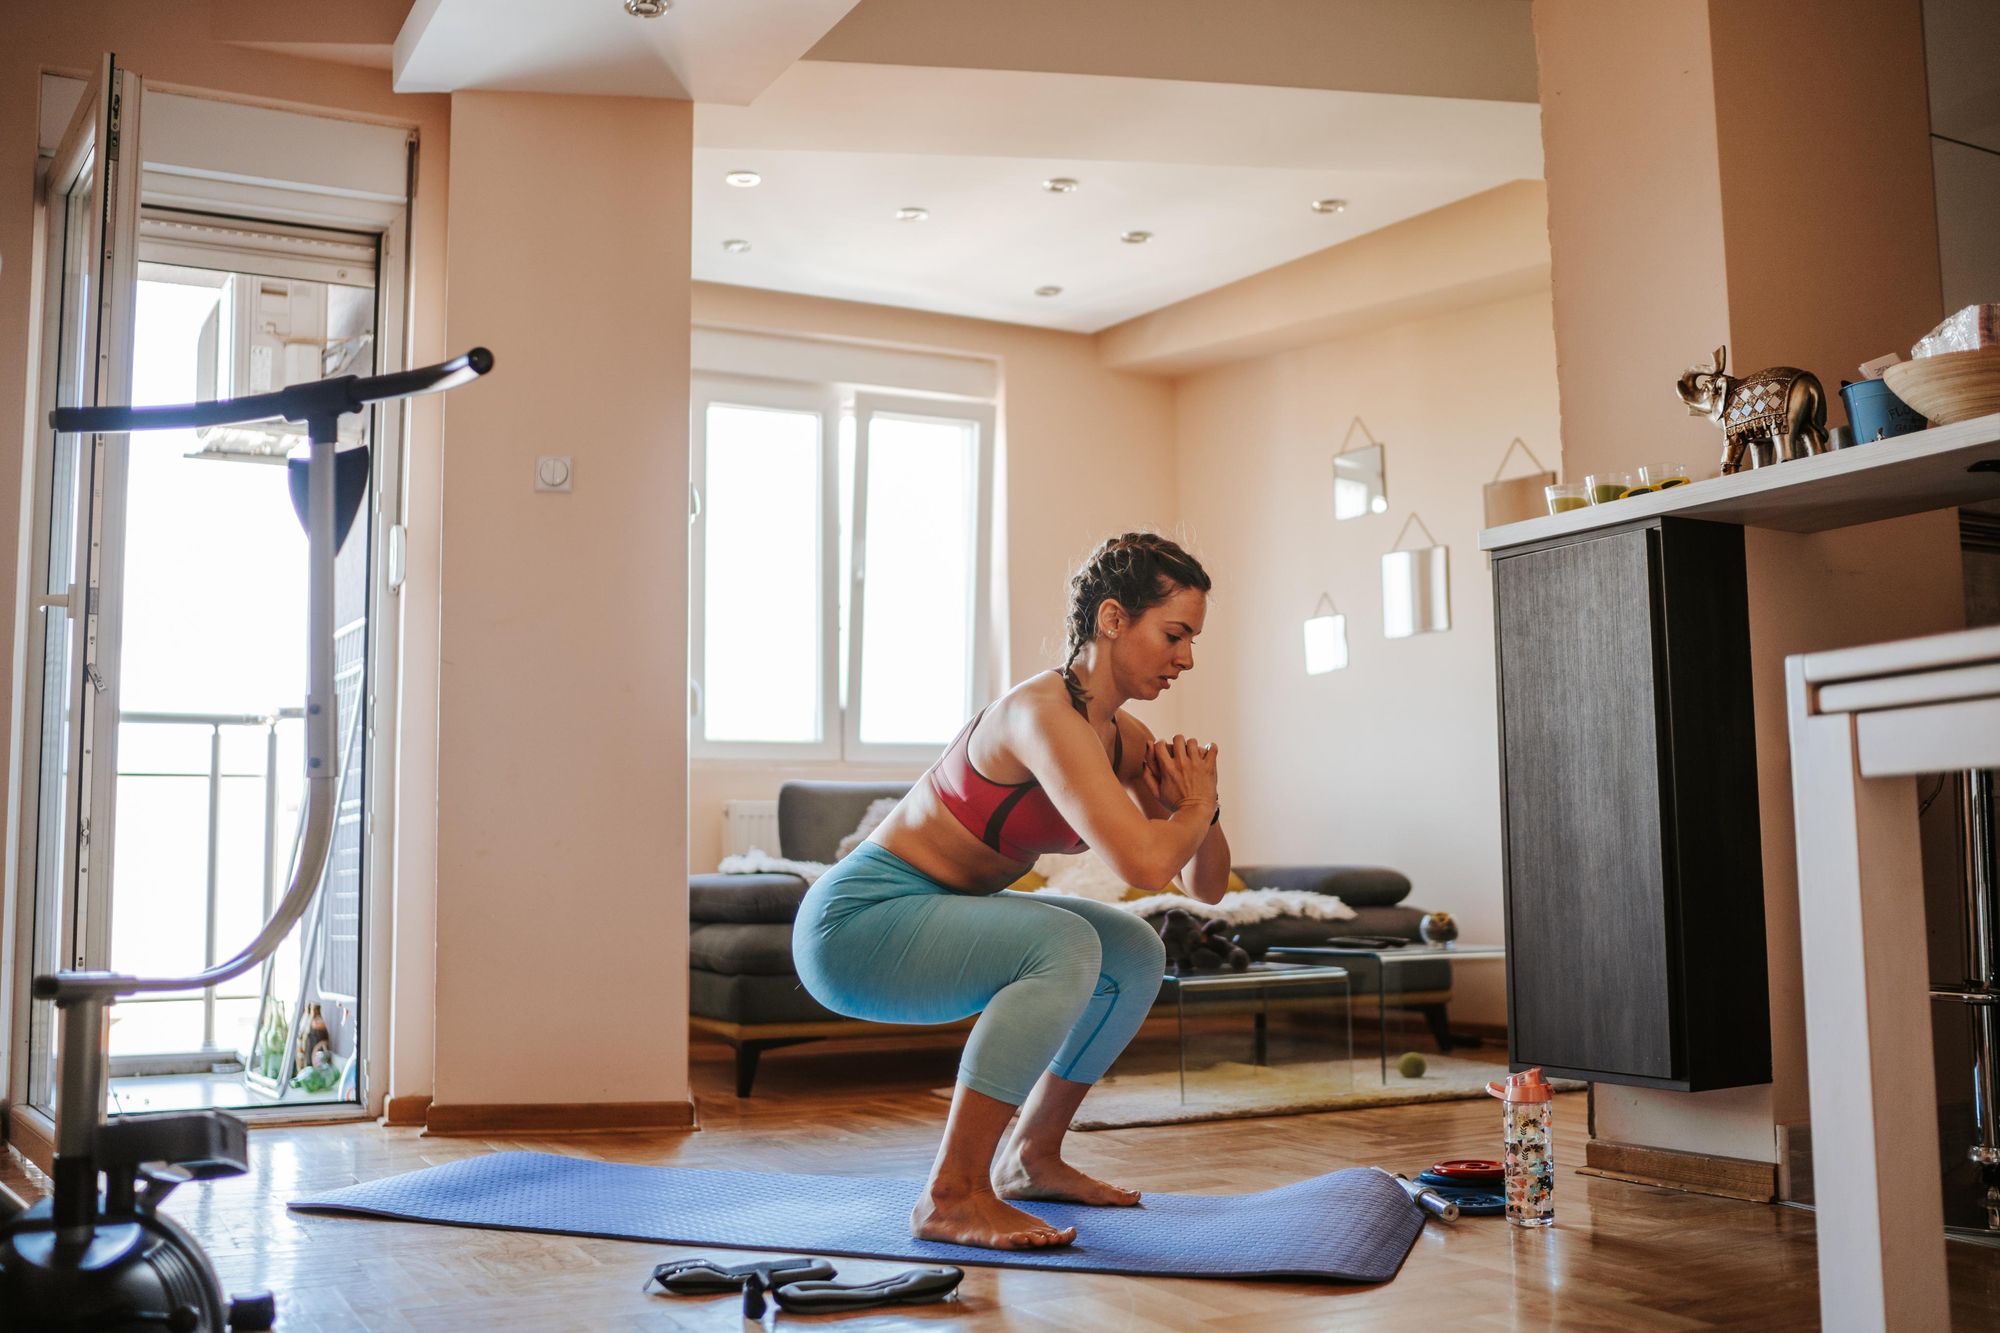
column 1181, row 771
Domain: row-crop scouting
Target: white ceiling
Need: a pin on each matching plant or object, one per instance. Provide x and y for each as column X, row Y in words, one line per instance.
column 1222, row 175
column 700, row 50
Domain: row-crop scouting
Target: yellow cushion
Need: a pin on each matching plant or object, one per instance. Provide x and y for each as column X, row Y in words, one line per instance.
column 1235, row 885
column 1029, row 882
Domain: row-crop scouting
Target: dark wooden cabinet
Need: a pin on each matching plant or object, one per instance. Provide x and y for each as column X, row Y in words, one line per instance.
column 1634, row 877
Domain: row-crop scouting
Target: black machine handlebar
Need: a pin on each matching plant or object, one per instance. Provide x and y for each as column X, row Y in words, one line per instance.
column 312, row 402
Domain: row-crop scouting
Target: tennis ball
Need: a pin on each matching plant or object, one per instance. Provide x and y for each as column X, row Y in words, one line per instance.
column 1411, row 1065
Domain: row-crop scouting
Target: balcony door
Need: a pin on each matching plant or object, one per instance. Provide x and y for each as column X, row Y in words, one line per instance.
column 166, row 656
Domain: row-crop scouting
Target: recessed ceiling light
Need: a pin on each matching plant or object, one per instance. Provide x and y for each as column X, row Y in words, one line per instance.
column 1060, row 185
column 1329, row 205
column 736, row 247
column 743, row 179
column 912, row 214
column 1136, row 237
column 1048, row 291
column 647, row 9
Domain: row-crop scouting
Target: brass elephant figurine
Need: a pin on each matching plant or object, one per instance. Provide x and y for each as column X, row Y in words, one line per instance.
column 1782, row 405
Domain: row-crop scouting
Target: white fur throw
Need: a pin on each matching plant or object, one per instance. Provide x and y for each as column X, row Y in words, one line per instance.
column 876, row 812
column 757, row 861
column 1084, row 875
column 1239, row 908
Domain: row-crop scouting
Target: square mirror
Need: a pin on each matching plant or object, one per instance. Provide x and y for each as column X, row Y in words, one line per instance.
column 1359, row 486
column 1326, row 644
column 1416, row 592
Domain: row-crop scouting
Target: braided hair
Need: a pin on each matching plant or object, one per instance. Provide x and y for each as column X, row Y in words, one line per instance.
column 1138, row 570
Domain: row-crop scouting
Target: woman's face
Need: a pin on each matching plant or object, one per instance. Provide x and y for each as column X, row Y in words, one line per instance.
column 1148, row 653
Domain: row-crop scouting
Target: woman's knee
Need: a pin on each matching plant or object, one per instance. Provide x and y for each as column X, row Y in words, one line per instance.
column 1067, row 944
column 1131, row 945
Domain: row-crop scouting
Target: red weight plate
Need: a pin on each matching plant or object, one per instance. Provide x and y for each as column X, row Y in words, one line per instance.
column 1468, row 1169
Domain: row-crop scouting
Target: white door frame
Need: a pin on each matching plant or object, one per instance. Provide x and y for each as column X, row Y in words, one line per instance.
column 383, row 214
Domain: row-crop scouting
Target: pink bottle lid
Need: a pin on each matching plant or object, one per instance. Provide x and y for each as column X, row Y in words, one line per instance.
column 1526, row 1086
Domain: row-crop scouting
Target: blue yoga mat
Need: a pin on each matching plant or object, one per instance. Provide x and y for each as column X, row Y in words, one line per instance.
column 1355, row 1225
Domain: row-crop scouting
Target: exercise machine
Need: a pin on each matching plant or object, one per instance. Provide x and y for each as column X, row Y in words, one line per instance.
column 104, row 1257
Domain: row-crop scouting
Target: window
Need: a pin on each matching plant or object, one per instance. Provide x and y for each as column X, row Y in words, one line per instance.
column 839, row 571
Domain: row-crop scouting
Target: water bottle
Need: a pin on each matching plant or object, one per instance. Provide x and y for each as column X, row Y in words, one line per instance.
column 1528, row 1164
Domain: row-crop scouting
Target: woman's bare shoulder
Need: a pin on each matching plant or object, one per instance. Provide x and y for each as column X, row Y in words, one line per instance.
column 1038, row 693
column 1135, row 737
column 1039, row 705
column 1132, row 729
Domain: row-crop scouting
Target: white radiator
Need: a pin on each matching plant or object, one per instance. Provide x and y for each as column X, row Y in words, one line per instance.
column 748, row 824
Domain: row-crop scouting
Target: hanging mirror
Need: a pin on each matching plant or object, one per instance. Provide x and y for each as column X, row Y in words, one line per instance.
column 1517, row 498
column 1416, row 587
column 1326, row 639
column 1360, row 484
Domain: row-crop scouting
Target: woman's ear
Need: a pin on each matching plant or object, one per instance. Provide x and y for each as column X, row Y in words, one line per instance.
column 1111, row 618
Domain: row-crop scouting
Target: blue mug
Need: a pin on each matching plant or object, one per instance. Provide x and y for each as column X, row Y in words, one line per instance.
column 1877, row 413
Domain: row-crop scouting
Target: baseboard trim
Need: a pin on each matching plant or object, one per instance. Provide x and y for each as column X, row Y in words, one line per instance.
column 1696, row 1173
column 406, row 1110
column 1495, row 1032
column 555, row 1117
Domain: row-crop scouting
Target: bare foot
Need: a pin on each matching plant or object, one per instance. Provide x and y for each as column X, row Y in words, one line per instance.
column 980, row 1218
column 1057, row 1181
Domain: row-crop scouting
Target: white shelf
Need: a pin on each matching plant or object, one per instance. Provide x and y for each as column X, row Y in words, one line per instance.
column 1884, row 479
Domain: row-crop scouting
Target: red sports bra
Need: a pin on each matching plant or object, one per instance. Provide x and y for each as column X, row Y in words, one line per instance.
column 1015, row 819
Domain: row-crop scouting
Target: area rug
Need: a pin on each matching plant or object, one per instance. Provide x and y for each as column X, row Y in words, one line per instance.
column 1230, row 1091
column 1355, row 1225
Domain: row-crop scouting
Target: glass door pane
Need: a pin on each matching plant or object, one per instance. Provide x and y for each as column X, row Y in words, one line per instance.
column 761, row 537
column 211, row 673
column 918, row 475
column 92, row 218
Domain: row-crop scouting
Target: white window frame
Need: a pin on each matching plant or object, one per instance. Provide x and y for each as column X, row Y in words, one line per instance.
column 823, row 402
column 978, row 686
column 840, row 739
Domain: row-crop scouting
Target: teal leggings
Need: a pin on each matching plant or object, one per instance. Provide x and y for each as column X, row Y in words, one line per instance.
column 1059, row 983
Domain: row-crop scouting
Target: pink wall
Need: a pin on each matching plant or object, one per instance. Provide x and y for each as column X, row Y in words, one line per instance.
column 1393, row 761
column 562, row 745
column 1635, row 225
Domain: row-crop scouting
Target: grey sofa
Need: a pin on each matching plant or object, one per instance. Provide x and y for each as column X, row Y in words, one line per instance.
column 744, row 989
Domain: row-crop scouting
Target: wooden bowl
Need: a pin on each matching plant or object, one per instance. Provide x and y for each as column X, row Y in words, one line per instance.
column 1955, row 386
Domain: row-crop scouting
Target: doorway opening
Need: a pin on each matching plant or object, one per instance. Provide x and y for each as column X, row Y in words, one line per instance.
column 212, row 665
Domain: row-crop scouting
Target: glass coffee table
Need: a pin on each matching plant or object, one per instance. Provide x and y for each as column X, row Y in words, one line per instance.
column 1412, row 952
column 1294, row 980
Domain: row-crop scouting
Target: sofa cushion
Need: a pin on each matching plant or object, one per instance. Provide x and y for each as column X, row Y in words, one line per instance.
column 770, row 898
column 745, row 999
column 753, row 949
column 1357, row 886
column 814, row 816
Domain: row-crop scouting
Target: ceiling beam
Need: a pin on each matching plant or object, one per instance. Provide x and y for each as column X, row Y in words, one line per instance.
column 1482, row 49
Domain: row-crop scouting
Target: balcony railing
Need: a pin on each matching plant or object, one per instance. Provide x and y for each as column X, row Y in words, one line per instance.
column 211, row 870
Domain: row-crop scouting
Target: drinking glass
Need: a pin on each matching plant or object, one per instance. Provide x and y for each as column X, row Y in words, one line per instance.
column 1604, row 487
column 1566, row 496
column 1660, row 476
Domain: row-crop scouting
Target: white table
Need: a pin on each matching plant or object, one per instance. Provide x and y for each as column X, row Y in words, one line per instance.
column 1864, row 722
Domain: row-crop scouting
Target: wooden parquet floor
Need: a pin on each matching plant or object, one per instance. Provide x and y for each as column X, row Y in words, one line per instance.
column 1620, row 1257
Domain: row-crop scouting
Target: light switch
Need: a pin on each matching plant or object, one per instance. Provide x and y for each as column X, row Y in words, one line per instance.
column 552, row 472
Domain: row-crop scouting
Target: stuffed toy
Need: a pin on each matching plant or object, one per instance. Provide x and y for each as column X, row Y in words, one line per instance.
column 1199, row 944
